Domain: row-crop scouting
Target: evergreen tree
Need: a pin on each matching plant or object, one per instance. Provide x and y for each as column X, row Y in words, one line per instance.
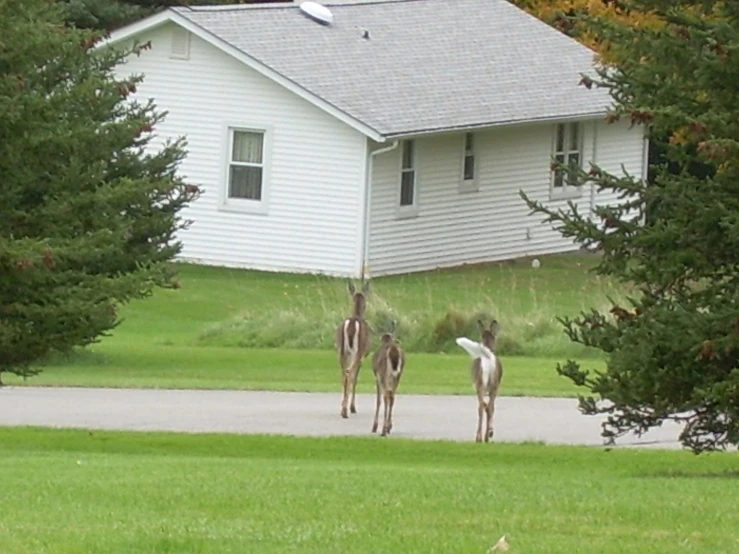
column 673, row 353
column 88, row 207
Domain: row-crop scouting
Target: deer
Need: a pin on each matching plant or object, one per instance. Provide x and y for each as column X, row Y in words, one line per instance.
column 387, row 365
column 487, row 372
column 353, row 343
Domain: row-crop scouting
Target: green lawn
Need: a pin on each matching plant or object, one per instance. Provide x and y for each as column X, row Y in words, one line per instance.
column 125, row 365
column 66, row 492
column 227, row 328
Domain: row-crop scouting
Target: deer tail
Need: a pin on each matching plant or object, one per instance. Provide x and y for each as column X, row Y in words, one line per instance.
column 350, row 341
column 479, row 350
column 394, row 360
column 474, row 349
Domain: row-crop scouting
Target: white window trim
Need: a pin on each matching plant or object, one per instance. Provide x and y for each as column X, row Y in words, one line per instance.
column 469, row 185
column 566, row 192
column 246, row 205
column 410, row 210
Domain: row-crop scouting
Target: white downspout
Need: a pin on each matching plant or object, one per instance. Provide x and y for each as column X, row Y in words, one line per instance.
column 645, row 155
column 367, row 200
column 594, row 161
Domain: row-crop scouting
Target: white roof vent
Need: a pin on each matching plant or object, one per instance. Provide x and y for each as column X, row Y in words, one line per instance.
column 317, row 12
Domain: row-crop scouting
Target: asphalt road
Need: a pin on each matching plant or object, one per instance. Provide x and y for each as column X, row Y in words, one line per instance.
column 548, row 420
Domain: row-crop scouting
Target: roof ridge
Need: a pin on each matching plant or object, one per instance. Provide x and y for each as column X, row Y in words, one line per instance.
column 287, row 4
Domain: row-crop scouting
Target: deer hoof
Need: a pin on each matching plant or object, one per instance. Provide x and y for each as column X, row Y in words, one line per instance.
column 489, row 436
column 354, row 409
column 374, row 428
column 478, row 438
column 343, row 413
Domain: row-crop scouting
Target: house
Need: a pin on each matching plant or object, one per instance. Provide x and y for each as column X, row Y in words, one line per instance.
column 394, row 139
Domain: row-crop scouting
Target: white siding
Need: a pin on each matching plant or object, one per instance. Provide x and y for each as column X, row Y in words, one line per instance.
column 315, row 217
column 453, row 227
column 618, row 144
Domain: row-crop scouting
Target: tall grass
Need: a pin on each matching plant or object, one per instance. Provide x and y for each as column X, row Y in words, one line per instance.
column 431, row 311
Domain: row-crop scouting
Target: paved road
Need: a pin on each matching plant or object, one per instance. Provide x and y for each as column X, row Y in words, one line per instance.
column 550, row 420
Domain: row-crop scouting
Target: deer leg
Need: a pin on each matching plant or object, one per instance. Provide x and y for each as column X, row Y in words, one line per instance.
column 391, row 398
column 377, row 408
column 490, row 412
column 480, row 412
column 344, row 393
column 355, row 375
column 386, row 407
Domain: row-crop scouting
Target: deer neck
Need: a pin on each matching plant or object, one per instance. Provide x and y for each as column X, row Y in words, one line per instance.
column 359, row 307
column 489, row 342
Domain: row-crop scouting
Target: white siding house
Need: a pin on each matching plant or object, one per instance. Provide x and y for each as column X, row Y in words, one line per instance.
column 357, row 148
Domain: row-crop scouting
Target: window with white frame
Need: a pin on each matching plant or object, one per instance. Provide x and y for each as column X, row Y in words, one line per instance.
column 567, row 151
column 469, row 168
column 408, row 174
column 246, row 164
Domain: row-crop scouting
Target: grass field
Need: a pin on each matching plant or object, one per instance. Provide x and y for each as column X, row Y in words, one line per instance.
column 228, row 328
column 67, row 492
column 175, row 367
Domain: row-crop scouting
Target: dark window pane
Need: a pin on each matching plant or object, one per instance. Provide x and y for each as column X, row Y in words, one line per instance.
column 406, row 188
column 408, row 154
column 558, row 179
column 469, row 144
column 574, row 137
column 560, row 138
column 247, row 147
column 469, row 168
column 573, row 163
column 245, row 182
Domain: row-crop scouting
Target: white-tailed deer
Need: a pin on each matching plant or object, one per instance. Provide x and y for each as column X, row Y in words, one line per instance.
column 353, row 343
column 387, row 365
column 487, row 372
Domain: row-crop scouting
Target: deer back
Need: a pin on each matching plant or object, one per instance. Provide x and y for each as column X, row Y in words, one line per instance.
column 353, row 334
column 488, row 336
column 389, row 360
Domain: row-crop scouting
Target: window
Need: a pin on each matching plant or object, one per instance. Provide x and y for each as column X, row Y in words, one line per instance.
column 469, row 170
column 567, row 151
column 408, row 175
column 246, row 165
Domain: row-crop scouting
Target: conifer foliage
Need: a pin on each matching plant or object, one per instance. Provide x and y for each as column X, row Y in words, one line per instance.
column 89, row 208
column 673, row 352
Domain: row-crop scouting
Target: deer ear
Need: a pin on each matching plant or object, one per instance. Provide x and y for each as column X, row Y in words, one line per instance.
column 393, row 327
column 480, row 325
column 366, row 287
column 494, row 327
column 352, row 290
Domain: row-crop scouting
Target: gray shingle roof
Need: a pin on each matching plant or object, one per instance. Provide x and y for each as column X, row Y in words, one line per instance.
column 428, row 65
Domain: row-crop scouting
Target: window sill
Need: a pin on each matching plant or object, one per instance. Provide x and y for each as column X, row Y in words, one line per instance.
column 566, row 194
column 241, row 205
column 469, row 186
column 407, row 212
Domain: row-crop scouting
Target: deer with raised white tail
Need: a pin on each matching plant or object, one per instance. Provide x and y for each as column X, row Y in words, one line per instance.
column 387, row 365
column 487, row 372
column 353, row 342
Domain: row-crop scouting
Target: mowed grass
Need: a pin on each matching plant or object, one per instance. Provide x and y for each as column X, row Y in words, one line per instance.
column 183, row 367
column 229, row 328
column 67, row 492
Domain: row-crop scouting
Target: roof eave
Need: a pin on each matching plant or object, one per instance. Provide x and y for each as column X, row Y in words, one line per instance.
column 410, row 133
column 169, row 15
